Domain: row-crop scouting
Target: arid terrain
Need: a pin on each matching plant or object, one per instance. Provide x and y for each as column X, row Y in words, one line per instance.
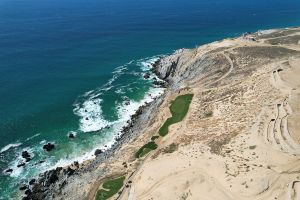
column 239, row 140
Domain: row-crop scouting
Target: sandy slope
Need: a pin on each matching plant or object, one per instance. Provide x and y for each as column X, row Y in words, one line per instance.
column 249, row 148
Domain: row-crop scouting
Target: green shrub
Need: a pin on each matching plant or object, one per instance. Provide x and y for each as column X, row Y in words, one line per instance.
column 153, row 138
column 146, row 149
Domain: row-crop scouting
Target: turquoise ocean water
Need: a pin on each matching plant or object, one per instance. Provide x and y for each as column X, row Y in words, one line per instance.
column 71, row 66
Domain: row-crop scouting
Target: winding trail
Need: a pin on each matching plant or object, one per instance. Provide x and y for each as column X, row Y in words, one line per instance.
column 228, row 72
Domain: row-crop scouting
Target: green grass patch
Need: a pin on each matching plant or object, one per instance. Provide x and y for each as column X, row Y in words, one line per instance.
column 179, row 108
column 110, row 188
column 153, row 138
column 146, row 149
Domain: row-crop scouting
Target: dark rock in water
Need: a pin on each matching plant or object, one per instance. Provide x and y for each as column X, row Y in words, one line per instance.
column 21, row 165
column 9, row 170
column 71, row 135
column 147, row 75
column 32, row 181
column 23, row 187
column 28, row 192
column 25, row 154
column 98, row 152
column 48, row 146
column 28, row 159
column 76, row 164
column 41, row 161
column 86, row 118
column 85, row 110
column 127, row 103
column 58, row 169
column 160, row 83
column 26, row 198
column 52, row 178
column 70, row 171
column 105, row 145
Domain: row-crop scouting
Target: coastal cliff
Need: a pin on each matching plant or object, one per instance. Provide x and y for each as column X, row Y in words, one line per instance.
column 239, row 140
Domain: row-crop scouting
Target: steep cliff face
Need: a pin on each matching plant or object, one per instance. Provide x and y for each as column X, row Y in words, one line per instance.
column 209, row 64
column 189, row 66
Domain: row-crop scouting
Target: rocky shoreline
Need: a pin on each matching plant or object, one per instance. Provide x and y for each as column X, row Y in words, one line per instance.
column 49, row 184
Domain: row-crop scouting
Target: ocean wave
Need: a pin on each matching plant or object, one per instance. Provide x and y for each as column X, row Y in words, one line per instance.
column 89, row 108
column 90, row 113
column 9, row 146
column 126, row 110
column 34, row 136
column 147, row 63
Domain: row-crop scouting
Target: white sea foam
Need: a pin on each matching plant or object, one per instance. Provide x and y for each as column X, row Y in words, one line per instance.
column 268, row 31
column 30, row 138
column 125, row 111
column 91, row 116
column 147, row 63
column 72, row 132
column 87, row 93
column 90, row 110
column 120, row 91
column 84, row 157
column 17, row 171
column 9, row 146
